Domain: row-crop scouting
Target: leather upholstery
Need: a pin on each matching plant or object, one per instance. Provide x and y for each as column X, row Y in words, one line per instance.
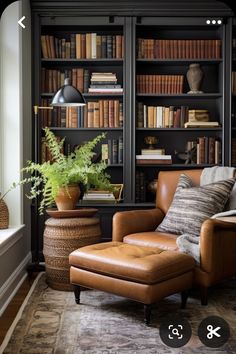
column 145, row 265
column 153, row 239
column 217, row 238
column 129, row 222
column 167, row 183
column 145, row 293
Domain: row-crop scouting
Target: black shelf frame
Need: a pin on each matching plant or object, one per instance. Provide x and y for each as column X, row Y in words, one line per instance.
column 180, row 129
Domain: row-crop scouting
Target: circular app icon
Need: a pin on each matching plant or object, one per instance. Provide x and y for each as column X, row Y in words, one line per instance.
column 213, row 331
column 175, row 331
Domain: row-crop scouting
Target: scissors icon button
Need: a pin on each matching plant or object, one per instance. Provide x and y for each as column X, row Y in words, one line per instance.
column 213, row 332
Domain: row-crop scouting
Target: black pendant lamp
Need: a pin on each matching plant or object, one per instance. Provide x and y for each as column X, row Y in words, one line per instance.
column 68, row 96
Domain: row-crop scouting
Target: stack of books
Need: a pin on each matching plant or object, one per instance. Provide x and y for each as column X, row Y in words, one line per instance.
column 104, row 83
column 153, row 156
column 199, row 124
column 99, row 196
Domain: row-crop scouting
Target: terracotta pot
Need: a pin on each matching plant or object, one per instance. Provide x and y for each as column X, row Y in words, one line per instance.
column 66, row 199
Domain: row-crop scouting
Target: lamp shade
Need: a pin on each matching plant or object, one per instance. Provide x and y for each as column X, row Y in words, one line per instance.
column 68, row 96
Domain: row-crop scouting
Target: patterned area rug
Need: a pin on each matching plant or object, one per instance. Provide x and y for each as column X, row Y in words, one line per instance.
column 51, row 322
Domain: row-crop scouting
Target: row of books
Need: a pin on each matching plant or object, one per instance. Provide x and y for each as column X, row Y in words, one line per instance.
column 98, row 114
column 105, row 113
column 112, row 151
column 140, row 187
column 45, row 152
column 234, row 82
column 234, row 151
column 161, row 117
column 163, row 84
column 52, row 80
column 179, row 48
column 208, row 150
column 83, row 46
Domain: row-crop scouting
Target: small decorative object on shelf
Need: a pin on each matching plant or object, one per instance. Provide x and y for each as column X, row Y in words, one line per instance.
column 117, row 192
column 189, row 155
column 194, row 77
column 152, row 186
column 151, row 141
column 4, row 214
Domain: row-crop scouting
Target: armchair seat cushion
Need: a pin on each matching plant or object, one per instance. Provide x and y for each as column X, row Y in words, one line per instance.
column 147, row 265
column 161, row 240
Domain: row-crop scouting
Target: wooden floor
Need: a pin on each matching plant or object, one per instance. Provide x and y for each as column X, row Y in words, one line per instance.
column 10, row 313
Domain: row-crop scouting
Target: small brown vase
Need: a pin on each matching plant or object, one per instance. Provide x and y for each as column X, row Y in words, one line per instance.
column 194, row 77
column 67, row 198
column 4, row 215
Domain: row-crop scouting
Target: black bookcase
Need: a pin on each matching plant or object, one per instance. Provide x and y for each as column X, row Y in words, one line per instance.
column 213, row 96
column 232, row 55
column 216, row 85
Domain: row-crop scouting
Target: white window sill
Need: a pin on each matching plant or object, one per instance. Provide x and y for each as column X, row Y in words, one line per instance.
column 9, row 236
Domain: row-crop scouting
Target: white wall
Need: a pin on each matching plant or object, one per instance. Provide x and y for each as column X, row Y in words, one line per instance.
column 10, row 108
column 15, row 143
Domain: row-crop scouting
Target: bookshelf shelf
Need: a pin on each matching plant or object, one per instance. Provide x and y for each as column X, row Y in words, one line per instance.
column 182, row 95
column 179, row 61
column 87, row 95
column 179, row 129
column 104, row 61
column 86, row 129
column 175, row 165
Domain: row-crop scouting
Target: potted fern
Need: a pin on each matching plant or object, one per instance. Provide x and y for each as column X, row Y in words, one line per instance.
column 58, row 181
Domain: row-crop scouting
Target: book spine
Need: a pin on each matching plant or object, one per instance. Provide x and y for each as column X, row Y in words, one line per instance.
column 110, row 152
column 120, row 150
column 114, row 151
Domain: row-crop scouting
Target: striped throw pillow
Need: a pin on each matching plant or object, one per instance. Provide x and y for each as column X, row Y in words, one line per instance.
column 192, row 205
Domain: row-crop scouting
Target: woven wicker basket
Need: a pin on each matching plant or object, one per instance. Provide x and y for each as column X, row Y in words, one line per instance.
column 4, row 215
column 61, row 237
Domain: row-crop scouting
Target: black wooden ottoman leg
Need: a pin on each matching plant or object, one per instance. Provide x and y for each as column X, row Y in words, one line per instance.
column 77, row 293
column 184, row 297
column 147, row 313
column 204, row 295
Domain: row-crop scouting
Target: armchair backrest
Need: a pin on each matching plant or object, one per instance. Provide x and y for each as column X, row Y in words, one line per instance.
column 167, row 183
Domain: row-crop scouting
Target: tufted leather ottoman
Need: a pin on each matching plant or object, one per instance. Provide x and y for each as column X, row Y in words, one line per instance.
column 144, row 274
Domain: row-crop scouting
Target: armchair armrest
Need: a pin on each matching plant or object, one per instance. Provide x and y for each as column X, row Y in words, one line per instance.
column 129, row 222
column 218, row 247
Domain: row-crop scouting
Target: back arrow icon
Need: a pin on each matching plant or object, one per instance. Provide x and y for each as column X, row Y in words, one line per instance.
column 20, row 22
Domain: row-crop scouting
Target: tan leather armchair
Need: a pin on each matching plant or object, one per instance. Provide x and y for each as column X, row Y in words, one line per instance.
column 217, row 237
